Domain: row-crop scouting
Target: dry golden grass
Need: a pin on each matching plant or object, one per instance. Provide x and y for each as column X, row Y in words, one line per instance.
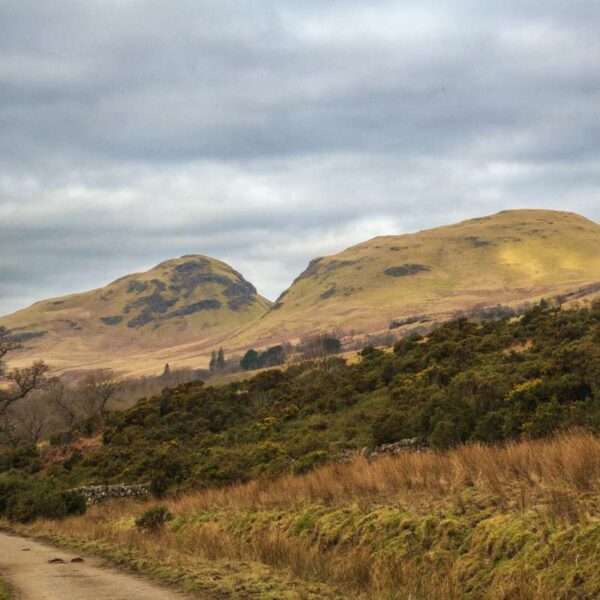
column 520, row 521
column 533, row 469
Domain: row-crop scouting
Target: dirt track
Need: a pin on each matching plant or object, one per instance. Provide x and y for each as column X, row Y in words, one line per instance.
column 24, row 566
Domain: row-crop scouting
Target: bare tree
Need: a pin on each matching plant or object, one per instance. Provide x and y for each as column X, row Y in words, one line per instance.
column 64, row 404
column 30, row 425
column 100, row 388
column 20, row 382
column 319, row 350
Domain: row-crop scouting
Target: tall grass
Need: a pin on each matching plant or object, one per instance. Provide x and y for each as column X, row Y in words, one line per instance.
column 474, row 522
column 525, row 472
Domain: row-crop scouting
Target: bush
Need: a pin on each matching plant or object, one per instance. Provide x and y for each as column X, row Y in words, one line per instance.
column 62, row 438
column 309, row 461
column 24, row 499
column 24, row 458
column 154, row 518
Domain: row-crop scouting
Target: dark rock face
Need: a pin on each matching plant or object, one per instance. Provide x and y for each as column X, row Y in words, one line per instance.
column 190, row 309
column 155, row 303
column 19, row 338
column 189, row 275
column 406, row 270
column 112, row 320
column 137, row 287
column 141, row 320
column 327, row 293
column 240, row 293
column 477, row 242
column 183, row 280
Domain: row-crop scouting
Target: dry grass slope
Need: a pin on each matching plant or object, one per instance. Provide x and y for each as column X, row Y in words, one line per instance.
column 520, row 521
column 509, row 258
column 181, row 308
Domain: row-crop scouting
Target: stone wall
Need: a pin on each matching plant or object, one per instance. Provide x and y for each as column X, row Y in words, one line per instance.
column 406, row 445
column 97, row 494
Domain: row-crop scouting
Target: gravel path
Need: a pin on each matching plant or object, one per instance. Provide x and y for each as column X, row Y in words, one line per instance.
column 25, row 566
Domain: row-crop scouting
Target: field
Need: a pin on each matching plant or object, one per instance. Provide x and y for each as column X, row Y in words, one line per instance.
column 516, row 521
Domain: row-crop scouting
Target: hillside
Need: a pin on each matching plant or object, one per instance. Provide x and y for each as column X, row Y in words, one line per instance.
column 182, row 309
column 510, row 258
column 465, row 382
column 256, row 513
column 139, row 322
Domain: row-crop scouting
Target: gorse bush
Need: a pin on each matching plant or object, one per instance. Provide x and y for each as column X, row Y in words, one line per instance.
column 154, row 518
column 464, row 381
column 24, row 499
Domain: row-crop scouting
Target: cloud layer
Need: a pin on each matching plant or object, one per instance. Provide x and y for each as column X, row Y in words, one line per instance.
column 268, row 133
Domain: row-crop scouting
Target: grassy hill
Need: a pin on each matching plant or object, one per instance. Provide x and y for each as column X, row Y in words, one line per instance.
column 487, row 382
column 508, row 258
column 181, row 307
column 264, row 508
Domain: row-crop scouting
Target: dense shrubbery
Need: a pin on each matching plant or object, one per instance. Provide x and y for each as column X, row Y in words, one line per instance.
column 487, row 381
column 24, row 498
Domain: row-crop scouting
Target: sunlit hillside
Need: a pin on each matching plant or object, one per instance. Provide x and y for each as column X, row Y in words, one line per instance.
column 508, row 258
column 183, row 309
column 141, row 321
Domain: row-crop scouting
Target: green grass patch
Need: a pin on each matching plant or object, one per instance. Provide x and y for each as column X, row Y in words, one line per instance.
column 5, row 593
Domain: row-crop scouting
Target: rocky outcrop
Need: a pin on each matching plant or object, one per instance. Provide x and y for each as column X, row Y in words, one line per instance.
column 97, row 494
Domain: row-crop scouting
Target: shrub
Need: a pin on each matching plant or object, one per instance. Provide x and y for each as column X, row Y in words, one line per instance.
column 309, row 461
column 154, row 518
column 24, row 499
column 24, row 458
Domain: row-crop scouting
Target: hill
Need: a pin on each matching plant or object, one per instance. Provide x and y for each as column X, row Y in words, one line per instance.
column 514, row 520
column 139, row 322
column 509, row 258
column 182, row 309
column 466, row 381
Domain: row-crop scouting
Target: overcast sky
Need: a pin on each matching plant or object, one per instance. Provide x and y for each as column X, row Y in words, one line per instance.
column 265, row 133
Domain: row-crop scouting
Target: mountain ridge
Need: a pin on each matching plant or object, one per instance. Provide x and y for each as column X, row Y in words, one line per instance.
column 183, row 308
column 530, row 254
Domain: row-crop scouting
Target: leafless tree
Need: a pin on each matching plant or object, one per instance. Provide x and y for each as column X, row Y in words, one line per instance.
column 320, row 350
column 30, row 425
column 19, row 382
column 100, row 388
column 60, row 398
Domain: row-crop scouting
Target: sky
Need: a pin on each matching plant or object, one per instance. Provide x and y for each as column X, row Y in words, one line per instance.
column 266, row 133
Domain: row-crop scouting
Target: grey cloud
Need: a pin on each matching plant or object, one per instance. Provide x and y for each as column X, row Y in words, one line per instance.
column 267, row 133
